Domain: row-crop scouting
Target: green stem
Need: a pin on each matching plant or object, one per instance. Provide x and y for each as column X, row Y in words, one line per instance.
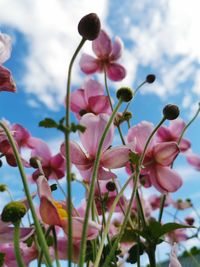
column 152, row 256
column 92, row 186
column 38, row 228
column 55, row 247
column 68, row 162
column 19, row 259
column 140, row 209
column 41, row 252
column 162, row 204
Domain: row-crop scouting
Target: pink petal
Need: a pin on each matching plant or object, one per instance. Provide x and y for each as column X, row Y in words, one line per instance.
column 184, row 145
column 116, row 49
column 99, row 104
column 115, row 72
column 139, row 135
column 174, row 262
column 43, row 151
column 176, row 127
column 194, row 160
column 21, row 135
column 48, row 212
column 78, row 101
column 115, row 157
column 164, row 134
column 93, row 88
column 43, row 187
column 165, row 153
column 165, row 179
column 102, row 45
column 95, row 126
column 5, row 47
column 7, row 233
column 88, row 64
column 6, row 81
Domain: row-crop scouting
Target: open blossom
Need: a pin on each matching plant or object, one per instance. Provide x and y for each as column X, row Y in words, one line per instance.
column 90, row 98
column 158, row 158
column 107, row 56
column 6, row 80
column 54, row 212
column 111, row 158
column 172, row 133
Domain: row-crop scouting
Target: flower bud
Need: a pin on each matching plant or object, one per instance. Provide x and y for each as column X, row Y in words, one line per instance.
column 125, row 94
column 189, row 220
column 150, row 78
column 171, row 112
column 3, row 187
column 1, row 163
column 13, row 212
column 33, row 162
column 89, row 26
column 110, row 186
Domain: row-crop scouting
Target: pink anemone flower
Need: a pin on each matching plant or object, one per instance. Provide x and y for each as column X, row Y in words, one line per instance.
column 53, row 166
column 158, row 158
column 194, row 160
column 107, row 56
column 172, row 133
column 54, row 212
column 111, row 158
column 90, row 98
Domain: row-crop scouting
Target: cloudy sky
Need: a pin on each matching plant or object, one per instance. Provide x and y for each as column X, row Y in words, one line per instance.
column 159, row 36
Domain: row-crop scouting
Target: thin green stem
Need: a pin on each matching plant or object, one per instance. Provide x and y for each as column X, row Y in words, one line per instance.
column 92, row 186
column 19, row 259
column 162, row 204
column 140, row 209
column 55, row 246
column 38, row 228
column 68, row 162
column 41, row 252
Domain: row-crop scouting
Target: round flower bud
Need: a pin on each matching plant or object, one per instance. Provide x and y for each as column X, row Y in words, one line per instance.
column 110, row 186
column 125, row 93
column 171, row 112
column 13, row 212
column 89, row 26
column 3, row 187
column 1, row 163
column 150, row 78
column 33, row 162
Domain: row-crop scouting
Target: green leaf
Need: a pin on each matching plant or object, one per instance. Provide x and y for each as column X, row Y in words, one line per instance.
column 48, row 123
column 77, row 127
column 129, row 235
column 2, row 257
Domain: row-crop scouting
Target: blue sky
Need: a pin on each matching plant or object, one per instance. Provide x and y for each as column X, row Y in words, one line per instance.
column 159, row 36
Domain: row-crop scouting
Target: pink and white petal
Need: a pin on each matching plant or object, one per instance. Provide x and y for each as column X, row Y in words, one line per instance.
column 176, row 127
column 115, row 157
column 139, row 134
column 165, row 179
column 105, row 175
column 95, row 126
column 42, row 150
column 99, row 104
column 43, row 187
column 20, row 134
column 33, row 142
column 115, row 72
column 48, row 212
column 102, row 45
column 57, row 161
column 5, row 47
column 194, row 160
column 77, row 155
column 93, row 88
column 78, row 101
column 163, row 134
column 174, row 262
column 88, row 64
column 6, row 80
column 184, row 145
column 165, row 153
column 117, row 48
column 7, row 233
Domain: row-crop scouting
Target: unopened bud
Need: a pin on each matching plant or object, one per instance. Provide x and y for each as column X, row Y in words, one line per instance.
column 3, row 187
column 1, row 163
column 13, row 212
column 171, row 112
column 89, row 26
column 34, row 162
column 150, row 78
column 189, row 220
column 110, row 186
column 125, row 94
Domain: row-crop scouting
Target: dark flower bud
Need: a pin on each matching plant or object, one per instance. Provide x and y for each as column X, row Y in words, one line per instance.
column 150, row 78
column 125, row 94
column 1, row 163
column 3, row 187
column 33, row 162
column 171, row 112
column 110, row 186
column 189, row 220
column 13, row 212
column 89, row 26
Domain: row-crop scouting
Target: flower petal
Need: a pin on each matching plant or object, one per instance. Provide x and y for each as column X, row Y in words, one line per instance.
column 43, row 187
column 194, row 160
column 102, row 45
column 6, row 81
column 117, row 48
column 78, row 101
column 115, row 72
column 174, row 262
column 88, row 64
column 115, row 157
column 93, row 88
column 48, row 212
column 5, row 47
column 165, row 153
column 42, row 150
column 99, row 104
column 176, row 127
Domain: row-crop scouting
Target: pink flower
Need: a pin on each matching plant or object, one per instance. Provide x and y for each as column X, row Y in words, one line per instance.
column 174, row 262
column 90, row 98
column 6, row 80
column 193, row 160
column 54, row 212
column 182, row 205
column 155, row 201
column 53, row 166
column 107, row 55
column 172, row 133
column 5, row 47
column 158, row 158
column 111, row 158
column 177, row 235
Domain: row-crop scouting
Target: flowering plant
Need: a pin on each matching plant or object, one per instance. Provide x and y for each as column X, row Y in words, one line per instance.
column 110, row 227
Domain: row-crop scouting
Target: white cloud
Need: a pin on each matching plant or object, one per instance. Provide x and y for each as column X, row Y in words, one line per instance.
column 50, row 28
